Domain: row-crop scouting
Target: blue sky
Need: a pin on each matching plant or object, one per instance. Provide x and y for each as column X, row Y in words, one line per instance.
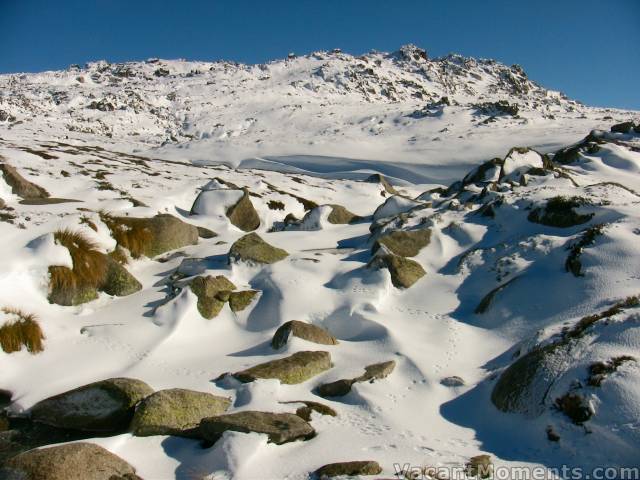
column 588, row 49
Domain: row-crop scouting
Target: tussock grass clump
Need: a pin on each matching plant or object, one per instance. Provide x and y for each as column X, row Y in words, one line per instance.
column 133, row 234
column 89, row 264
column 22, row 331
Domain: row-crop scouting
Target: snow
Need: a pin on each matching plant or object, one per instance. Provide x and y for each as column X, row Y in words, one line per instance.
column 315, row 127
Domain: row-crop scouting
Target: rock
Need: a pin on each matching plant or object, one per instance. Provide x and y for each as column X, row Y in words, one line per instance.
column 151, row 236
column 19, row 185
column 453, row 381
column 339, row 388
column 404, row 272
column 518, row 162
column 206, row 233
column 176, row 412
column 624, row 127
column 576, row 407
column 378, row 178
column 212, row 293
column 377, row 371
column 289, row 370
column 280, row 427
column 105, row 406
column 243, row 215
column 5, row 398
column 238, row 301
column 306, row 331
column 119, row 281
column 340, row 215
column 253, row 249
column 480, row 466
column 309, row 407
column 395, row 205
column 352, row 469
column 74, row 461
column 559, row 212
column 404, row 243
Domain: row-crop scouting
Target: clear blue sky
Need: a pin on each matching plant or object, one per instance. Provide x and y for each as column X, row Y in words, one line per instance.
column 589, row 49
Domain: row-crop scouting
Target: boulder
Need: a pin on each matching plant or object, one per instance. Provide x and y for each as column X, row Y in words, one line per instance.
column 395, row 205
column 453, row 381
column 404, row 272
column 306, row 331
column 294, row 369
column 19, row 185
column 206, row 233
column 339, row 388
column 352, row 469
column 404, row 243
column 176, row 412
column 74, row 461
column 119, row 281
column 280, row 427
column 253, row 249
column 624, row 127
column 212, row 293
column 377, row 371
column 243, row 215
column 340, row 215
column 105, row 406
column 151, row 236
column 238, row 301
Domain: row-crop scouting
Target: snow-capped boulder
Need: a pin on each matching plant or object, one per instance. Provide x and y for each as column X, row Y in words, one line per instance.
column 395, row 205
column 518, row 162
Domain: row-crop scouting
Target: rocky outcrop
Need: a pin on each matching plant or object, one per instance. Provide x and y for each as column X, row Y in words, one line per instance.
column 294, row 369
column 74, row 461
column 406, row 243
column 212, row 293
column 253, row 249
column 339, row 388
column 105, row 406
column 351, row 469
column 340, row 215
column 306, row 331
column 404, row 272
column 560, row 212
column 19, row 185
column 176, row 412
column 279, row 427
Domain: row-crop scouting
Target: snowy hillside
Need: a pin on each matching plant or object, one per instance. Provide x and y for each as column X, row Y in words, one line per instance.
column 416, row 264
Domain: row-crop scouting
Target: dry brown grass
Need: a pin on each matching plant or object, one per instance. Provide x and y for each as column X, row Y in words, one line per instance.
column 89, row 264
column 130, row 233
column 23, row 331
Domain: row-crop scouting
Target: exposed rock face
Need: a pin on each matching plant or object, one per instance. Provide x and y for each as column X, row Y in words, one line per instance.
column 404, row 243
column 119, row 281
column 176, row 412
column 151, row 236
column 404, row 272
column 340, row 215
column 280, row 427
column 105, row 406
column 306, row 331
column 253, row 249
column 243, row 215
column 75, row 461
column 212, row 293
column 294, row 369
column 19, row 185
column 363, row 467
column 238, row 301
column 339, row 388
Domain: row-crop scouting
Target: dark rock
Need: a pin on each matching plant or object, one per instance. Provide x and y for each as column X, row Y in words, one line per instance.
column 243, row 214
column 624, row 127
column 339, row 388
column 306, row 331
column 576, row 407
column 309, row 407
column 559, row 212
column 453, row 381
column 206, row 233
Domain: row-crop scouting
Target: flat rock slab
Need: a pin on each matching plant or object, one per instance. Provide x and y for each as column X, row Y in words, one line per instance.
column 176, row 412
column 290, row 370
column 253, row 249
column 363, row 467
column 105, row 406
column 75, row 461
column 306, row 331
column 280, row 427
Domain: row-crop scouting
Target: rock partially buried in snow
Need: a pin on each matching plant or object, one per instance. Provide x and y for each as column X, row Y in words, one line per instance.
column 119, row 281
column 105, row 406
column 280, row 427
column 310, row 406
column 74, row 461
column 518, row 162
column 206, row 233
column 243, row 215
column 176, row 412
column 352, row 469
column 238, row 301
column 404, row 272
column 404, row 243
column 395, row 205
column 378, row 178
column 340, row 215
column 453, row 381
column 560, row 212
column 19, row 185
column 294, row 369
column 212, row 293
column 234, row 203
column 306, row 331
column 340, row 388
column 253, row 249
column 480, row 466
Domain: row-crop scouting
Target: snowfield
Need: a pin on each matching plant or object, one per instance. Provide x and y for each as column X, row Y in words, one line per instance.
column 526, row 284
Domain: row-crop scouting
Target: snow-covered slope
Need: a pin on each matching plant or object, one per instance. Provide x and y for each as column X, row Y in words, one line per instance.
column 519, row 247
